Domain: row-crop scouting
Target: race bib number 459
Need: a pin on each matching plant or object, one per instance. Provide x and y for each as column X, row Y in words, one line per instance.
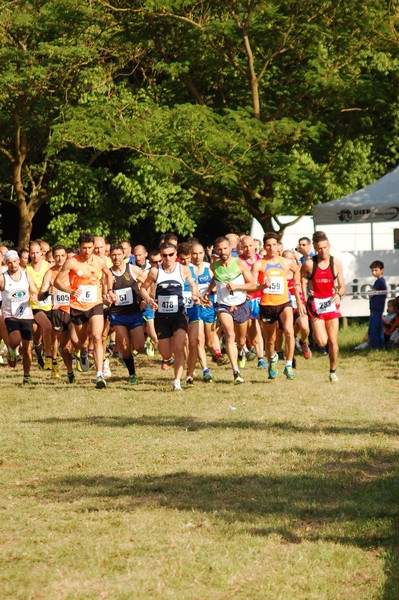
column 276, row 285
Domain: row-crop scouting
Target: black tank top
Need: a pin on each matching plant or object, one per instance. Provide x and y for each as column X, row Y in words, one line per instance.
column 127, row 291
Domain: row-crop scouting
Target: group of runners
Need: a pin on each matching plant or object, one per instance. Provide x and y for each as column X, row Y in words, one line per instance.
column 238, row 304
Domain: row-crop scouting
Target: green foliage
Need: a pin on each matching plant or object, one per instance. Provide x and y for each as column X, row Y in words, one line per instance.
column 272, row 106
column 112, row 205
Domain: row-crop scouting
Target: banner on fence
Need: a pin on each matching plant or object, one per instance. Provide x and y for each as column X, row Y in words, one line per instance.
column 359, row 281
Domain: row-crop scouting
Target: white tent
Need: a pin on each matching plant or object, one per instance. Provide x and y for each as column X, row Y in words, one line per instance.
column 375, row 203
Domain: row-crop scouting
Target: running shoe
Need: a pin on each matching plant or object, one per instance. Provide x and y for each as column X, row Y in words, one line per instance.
column 333, row 378
column 133, row 380
column 55, row 371
column 148, row 347
column 71, row 377
column 171, row 361
column 262, row 364
column 306, row 353
column 106, row 368
column 165, row 366
column 176, row 387
column 220, row 360
column 84, row 361
column 90, row 353
column 273, row 367
column 190, row 380
column 288, row 372
column 100, row 382
column 27, row 380
column 48, row 363
column 38, row 351
column 362, row 346
column 251, row 354
column 12, row 358
column 77, row 359
column 238, row 378
column 280, row 355
column 242, row 361
column 207, row 376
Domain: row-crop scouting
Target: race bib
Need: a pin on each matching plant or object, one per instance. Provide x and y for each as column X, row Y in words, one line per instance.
column 276, row 285
column 61, row 299
column 19, row 303
column 124, row 296
column 202, row 287
column 324, row 305
column 188, row 299
column 88, row 293
column 45, row 303
column 168, row 304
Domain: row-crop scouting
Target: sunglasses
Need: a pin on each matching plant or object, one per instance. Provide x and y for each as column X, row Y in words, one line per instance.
column 165, row 255
column 156, row 262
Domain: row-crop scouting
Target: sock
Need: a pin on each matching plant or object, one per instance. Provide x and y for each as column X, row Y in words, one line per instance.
column 129, row 362
column 99, row 374
column 288, row 363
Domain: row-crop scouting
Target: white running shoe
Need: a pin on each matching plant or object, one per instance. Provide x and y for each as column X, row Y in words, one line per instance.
column 106, row 368
column 362, row 346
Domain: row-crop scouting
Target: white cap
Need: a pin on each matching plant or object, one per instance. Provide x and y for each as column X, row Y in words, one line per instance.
column 11, row 254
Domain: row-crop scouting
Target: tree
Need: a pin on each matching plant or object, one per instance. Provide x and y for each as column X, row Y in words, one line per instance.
column 53, row 54
column 274, row 105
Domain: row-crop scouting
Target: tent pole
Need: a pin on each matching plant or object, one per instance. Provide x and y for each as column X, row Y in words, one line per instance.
column 372, row 236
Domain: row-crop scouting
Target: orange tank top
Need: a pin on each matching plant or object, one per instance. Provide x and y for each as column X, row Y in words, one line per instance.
column 277, row 293
column 87, row 279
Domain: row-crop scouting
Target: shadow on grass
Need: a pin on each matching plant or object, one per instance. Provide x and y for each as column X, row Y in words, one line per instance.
column 191, row 423
column 340, row 497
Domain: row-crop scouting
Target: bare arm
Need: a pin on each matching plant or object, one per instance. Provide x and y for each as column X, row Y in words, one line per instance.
column 340, row 280
column 248, row 278
column 108, row 280
column 62, row 280
column 297, row 287
column 147, row 283
column 32, row 288
column 256, row 286
column 45, row 290
column 186, row 274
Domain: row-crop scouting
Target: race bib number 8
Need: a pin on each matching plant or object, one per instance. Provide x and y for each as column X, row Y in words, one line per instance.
column 324, row 305
column 168, row 304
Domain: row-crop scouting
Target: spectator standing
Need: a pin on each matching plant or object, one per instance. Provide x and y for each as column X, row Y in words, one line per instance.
column 377, row 305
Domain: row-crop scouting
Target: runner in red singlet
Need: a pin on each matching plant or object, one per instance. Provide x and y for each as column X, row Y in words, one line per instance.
column 326, row 288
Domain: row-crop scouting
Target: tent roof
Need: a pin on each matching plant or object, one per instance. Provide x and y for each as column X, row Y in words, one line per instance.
column 375, row 203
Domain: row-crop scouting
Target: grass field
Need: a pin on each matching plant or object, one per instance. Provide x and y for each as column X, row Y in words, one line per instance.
column 273, row 489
